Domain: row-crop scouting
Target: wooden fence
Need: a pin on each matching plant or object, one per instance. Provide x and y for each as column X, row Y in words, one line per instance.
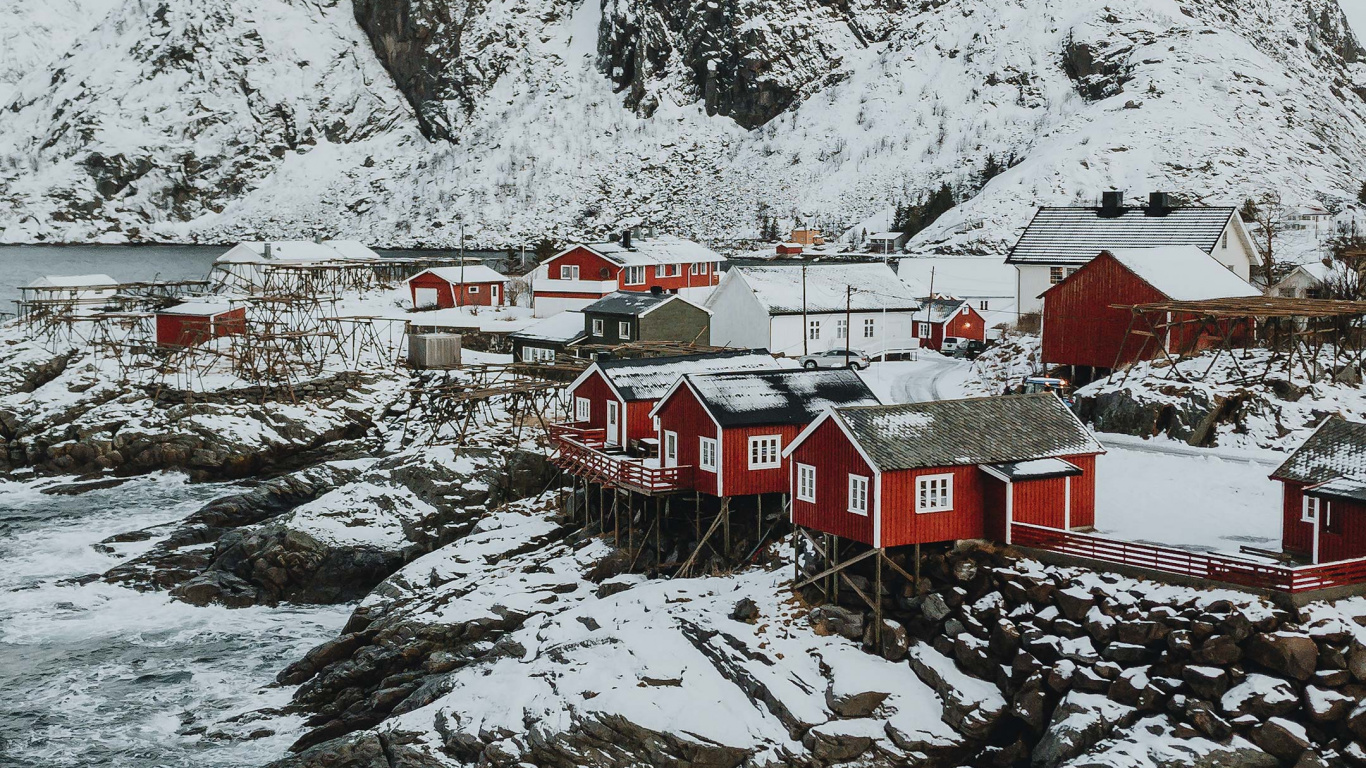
column 1200, row 565
column 621, row 471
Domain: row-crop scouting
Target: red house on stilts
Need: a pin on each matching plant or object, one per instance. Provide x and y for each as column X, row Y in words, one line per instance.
column 893, row 475
column 731, row 428
column 1324, row 496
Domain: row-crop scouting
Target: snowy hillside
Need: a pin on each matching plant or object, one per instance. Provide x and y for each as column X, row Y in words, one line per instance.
column 197, row 121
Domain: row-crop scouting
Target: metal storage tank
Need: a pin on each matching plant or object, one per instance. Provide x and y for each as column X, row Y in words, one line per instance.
column 434, row 350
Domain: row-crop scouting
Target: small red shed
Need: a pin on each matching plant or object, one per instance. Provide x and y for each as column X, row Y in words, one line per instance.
column 732, row 427
column 193, row 323
column 789, row 249
column 470, row 285
column 1082, row 327
column 949, row 317
column 918, row 473
column 1324, row 494
column 618, row 395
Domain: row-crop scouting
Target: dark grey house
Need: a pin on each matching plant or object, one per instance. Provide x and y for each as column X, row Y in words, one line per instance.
column 540, row 342
column 624, row 317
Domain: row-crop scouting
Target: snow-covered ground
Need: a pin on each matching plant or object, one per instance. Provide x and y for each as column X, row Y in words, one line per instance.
column 931, row 376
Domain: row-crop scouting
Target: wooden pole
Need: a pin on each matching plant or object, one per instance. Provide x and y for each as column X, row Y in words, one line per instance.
column 916, row 582
column 725, row 512
column 877, row 600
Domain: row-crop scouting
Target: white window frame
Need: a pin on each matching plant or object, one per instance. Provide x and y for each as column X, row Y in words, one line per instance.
column 765, row 451
column 923, row 330
column 806, row 483
column 858, row 494
column 706, row 453
column 927, row 498
column 1056, row 275
column 569, row 271
column 984, row 305
column 629, row 276
column 669, row 450
column 624, row 330
column 841, row 328
column 668, row 270
column 1309, row 511
column 597, row 327
column 474, row 289
column 537, row 355
column 695, row 269
column 813, row 330
column 583, row 409
column 869, row 328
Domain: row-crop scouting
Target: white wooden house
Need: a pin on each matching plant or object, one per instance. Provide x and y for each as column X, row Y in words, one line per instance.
column 1059, row 241
column 797, row 310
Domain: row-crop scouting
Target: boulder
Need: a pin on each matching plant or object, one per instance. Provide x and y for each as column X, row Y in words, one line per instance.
column 854, row 703
column 1291, row 654
column 1219, row 651
column 1282, row 738
column 894, row 643
column 1201, row 714
column 1206, row 682
column 1260, row 696
column 1074, row 602
column 836, row 620
column 1327, row 705
column 934, row 608
column 1079, row 722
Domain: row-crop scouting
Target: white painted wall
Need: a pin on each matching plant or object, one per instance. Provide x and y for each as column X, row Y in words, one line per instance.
column 1032, row 280
column 892, row 330
column 737, row 317
column 546, row 306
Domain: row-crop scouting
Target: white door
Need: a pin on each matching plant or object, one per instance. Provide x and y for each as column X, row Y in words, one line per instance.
column 670, row 449
column 424, row 297
column 493, row 294
column 612, row 422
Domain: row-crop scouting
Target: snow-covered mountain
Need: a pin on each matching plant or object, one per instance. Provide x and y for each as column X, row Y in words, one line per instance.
column 193, row 120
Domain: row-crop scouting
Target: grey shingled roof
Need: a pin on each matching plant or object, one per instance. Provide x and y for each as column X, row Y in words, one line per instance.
column 1341, row 488
column 983, row 430
column 942, row 310
column 1077, row 235
column 1336, row 449
column 779, row 397
column 627, row 303
column 649, row 378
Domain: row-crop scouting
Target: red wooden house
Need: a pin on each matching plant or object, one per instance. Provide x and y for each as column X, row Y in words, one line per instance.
column 731, row 428
column 1324, row 493
column 917, row 473
column 949, row 317
column 616, row 396
column 468, row 285
column 193, row 323
column 1081, row 327
column 581, row 274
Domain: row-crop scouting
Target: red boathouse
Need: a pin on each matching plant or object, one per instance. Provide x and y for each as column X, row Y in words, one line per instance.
column 192, row 323
column 949, row 317
column 731, row 428
column 918, row 473
column 1324, row 494
column 1082, row 327
column 470, row 285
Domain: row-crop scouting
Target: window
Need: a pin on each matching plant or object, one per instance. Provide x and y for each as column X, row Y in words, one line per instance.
column 841, row 329
column 934, row 493
column 813, row 329
column 569, row 271
column 922, row 330
column 670, row 448
column 869, row 328
column 582, row 409
column 538, row 355
column 858, row 494
column 984, row 305
column 1310, row 510
column 624, row 331
column 635, row 275
column 699, row 268
column 597, row 327
column 1225, row 239
column 1054, row 275
column 706, row 453
column 763, row 452
column 806, row 483
column 474, row 289
column 668, row 270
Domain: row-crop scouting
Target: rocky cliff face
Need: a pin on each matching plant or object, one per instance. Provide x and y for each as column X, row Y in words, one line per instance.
column 386, row 121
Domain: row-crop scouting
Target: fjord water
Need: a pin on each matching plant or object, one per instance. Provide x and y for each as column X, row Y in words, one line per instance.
column 99, row 675
column 22, row 264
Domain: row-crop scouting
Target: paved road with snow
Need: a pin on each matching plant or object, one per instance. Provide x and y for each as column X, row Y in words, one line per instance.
column 1173, row 448
column 935, row 378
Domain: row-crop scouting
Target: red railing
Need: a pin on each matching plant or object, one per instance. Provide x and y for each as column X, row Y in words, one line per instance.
column 620, row 471
column 593, row 438
column 1230, row 570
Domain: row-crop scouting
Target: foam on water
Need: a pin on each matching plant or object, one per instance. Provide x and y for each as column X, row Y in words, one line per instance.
column 99, row 675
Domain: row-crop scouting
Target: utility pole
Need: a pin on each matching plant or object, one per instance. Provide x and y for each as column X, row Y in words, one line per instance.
column 848, row 306
column 462, row 264
column 930, row 302
column 806, row 331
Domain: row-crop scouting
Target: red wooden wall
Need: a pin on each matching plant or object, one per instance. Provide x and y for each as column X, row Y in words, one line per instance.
column 184, row 330
column 591, row 268
column 1297, row 537
column 638, row 421
column 590, row 265
column 1083, row 491
column 450, row 294
column 737, row 478
column 1079, row 325
column 966, row 325
column 901, row 524
column 835, row 458
column 598, row 393
column 682, row 413
column 685, row 279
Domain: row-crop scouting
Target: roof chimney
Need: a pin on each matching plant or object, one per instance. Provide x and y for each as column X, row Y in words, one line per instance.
column 626, row 239
column 1111, row 202
column 1159, row 203
column 267, row 250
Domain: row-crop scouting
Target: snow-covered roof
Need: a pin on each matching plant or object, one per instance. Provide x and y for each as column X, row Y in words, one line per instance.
column 198, row 308
column 780, row 289
column 964, row 277
column 302, row 251
column 472, row 273
column 1183, row 273
column 660, row 249
column 984, row 430
column 943, row 310
column 886, row 235
column 1035, row 469
column 74, row 281
column 1336, row 449
column 562, row 327
column 1351, row 489
column 779, row 397
column 1076, row 235
column 649, row 378
column 630, row 303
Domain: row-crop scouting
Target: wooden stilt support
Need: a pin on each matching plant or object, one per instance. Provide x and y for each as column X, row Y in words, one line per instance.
column 684, row 569
column 630, row 521
column 725, row 515
column 915, row 582
column 877, row 599
column 616, row 519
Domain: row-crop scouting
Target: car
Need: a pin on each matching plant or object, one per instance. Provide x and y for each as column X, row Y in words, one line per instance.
column 835, row 358
column 1062, row 387
column 950, row 345
column 970, row 349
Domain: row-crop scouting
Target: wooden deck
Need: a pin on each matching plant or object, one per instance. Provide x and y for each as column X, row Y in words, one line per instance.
column 582, row 452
